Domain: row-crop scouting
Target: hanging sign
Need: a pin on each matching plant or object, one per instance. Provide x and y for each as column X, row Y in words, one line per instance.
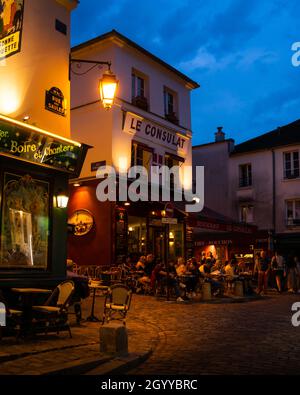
column 55, row 101
column 31, row 145
column 11, row 24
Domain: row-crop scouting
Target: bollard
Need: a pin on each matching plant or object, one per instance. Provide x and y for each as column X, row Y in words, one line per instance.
column 239, row 290
column 206, row 294
column 113, row 339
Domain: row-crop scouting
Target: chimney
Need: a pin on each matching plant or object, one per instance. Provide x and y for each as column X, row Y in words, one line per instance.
column 219, row 135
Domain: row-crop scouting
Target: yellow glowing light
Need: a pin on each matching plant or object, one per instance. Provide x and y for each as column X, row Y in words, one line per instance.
column 108, row 88
column 62, row 201
column 123, row 164
column 9, row 101
column 130, row 229
column 30, row 127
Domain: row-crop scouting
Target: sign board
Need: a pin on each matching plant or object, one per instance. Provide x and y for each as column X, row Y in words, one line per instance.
column 169, row 210
column 95, row 165
column 155, row 132
column 11, row 25
column 33, row 146
column 170, row 221
column 55, row 101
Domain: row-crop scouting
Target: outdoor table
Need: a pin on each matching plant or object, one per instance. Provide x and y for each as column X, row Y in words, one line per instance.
column 94, row 287
column 27, row 298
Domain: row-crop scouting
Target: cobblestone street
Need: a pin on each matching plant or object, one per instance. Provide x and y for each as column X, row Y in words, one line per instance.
column 235, row 338
column 254, row 337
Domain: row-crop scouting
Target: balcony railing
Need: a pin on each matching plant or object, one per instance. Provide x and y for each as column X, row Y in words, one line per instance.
column 292, row 175
column 293, row 222
column 245, row 182
column 141, row 102
column 171, row 117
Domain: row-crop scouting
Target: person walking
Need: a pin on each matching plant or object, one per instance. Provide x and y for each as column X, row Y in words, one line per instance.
column 263, row 267
column 291, row 274
column 278, row 267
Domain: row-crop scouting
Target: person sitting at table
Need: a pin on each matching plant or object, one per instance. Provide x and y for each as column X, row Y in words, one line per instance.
column 204, row 268
column 160, row 275
column 181, row 267
column 230, row 272
column 145, row 280
column 141, row 264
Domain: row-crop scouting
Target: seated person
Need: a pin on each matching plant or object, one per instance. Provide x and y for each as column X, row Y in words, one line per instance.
column 141, row 264
column 181, row 267
column 230, row 272
column 167, row 279
column 145, row 280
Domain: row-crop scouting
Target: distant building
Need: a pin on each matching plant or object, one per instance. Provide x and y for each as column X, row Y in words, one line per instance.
column 258, row 183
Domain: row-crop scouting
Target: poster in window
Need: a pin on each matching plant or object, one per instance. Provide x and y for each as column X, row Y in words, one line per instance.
column 11, row 24
column 25, row 222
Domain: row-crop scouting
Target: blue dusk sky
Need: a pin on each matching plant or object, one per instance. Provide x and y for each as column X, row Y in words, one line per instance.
column 239, row 51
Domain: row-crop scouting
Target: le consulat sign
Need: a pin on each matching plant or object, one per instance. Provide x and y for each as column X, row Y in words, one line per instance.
column 154, row 132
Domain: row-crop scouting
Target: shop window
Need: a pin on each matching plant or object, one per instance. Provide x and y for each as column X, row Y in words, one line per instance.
column 137, row 235
column 170, row 106
column 245, row 175
column 139, row 90
column 141, row 156
column 246, row 214
column 291, row 164
column 171, row 161
column 176, row 241
column 25, row 222
column 292, row 212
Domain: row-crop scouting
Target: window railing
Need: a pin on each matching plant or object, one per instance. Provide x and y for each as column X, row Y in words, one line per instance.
column 293, row 222
column 288, row 174
column 141, row 102
column 245, row 182
column 171, row 117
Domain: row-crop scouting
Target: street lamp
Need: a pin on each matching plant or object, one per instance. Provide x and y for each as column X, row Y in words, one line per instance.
column 108, row 83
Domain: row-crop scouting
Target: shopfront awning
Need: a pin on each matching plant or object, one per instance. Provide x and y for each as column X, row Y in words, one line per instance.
column 28, row 143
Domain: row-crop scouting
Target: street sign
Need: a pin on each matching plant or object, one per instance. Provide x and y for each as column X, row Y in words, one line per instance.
column 170, row 221
column 169, row 210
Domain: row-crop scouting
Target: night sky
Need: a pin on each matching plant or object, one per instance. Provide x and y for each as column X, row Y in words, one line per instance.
column 239, row 51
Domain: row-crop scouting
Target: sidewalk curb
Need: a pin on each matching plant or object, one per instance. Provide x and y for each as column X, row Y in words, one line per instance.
column 120, row 365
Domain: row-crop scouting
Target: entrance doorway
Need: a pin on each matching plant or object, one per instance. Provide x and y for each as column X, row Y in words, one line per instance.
column 157, row 241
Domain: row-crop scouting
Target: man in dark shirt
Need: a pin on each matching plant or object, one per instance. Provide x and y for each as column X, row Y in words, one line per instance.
column 263, row 266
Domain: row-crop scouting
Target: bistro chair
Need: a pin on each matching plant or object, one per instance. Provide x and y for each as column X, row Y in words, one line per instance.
column 13, row 319
column 54, row 313
column 117, row 303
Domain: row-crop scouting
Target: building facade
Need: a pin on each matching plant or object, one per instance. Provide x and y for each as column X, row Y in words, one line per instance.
column 37, row 156
column 262, row 183
column 149, row 124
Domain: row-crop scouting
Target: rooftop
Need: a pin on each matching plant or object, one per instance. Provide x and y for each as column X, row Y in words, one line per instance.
column 115, row 34
column 282, row 136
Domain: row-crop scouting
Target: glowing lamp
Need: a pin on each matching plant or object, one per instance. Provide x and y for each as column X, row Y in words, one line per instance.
column 108, row 88
column 62, row 201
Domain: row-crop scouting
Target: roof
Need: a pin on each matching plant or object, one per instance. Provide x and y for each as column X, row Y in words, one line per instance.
column 282, row 136
column 211, row 143
column 115, row 34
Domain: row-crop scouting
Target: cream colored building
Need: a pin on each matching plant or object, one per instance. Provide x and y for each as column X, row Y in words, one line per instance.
column 41, row 64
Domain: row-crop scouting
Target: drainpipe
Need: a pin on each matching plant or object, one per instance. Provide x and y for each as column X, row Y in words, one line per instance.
column 274, row 194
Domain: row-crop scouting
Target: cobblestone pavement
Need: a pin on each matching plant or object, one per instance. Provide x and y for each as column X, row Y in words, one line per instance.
column 255, row 337
column 236, row 338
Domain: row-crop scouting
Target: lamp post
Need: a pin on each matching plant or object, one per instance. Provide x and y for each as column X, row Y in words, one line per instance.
column 107, row 84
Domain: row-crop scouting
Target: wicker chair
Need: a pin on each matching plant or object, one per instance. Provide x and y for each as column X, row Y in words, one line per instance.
column 54, row 313
column 117, row 303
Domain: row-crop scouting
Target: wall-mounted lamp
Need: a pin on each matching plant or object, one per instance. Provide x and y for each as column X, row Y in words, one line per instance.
column 108, row 82
column 62, row 201
column 171, row 238
column 26, row 118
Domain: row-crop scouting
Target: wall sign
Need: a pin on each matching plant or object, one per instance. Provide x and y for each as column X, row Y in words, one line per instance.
column 154, row 132
column 83, row 222
column 11, row 24
column 35, row 147
column 55, row 101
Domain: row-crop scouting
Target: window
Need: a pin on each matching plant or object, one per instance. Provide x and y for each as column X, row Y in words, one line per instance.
column 247, row 214
column 141, row 155
column 293, row 212
column 245, row 175
column 170, row 103
column 291, row 164
column 171, row 161
column 139, row 94
column 25, row 222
